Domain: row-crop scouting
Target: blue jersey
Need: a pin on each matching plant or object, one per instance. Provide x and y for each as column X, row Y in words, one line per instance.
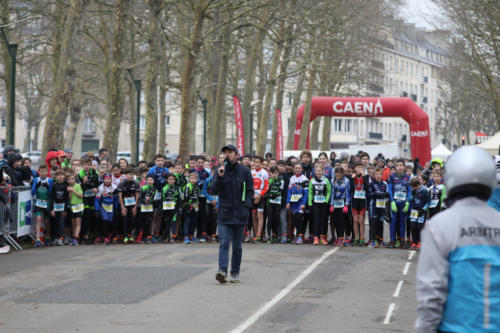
column 399, row 188
column 160, row 177
column 341, row 190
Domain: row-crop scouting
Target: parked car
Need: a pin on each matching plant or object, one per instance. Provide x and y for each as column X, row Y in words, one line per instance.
column 124, row 154
column 34, row 156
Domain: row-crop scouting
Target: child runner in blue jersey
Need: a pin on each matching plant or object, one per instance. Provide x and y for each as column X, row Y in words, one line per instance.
column 419, row 204
column 399, row 192
column 40, row 191
column 203, row 175
column 147, row 196
column 106, row 203
column 319, row 202
column 437, row 193
column 159, row 173
column 128, row 196
column 171, row 206
column 59, row 201
column 190, row 206
column 296, row 200
column 340, row 201
column 377, row 192
column 212, row 207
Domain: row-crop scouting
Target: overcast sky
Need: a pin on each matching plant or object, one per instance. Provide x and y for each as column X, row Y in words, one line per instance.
column 424, row 13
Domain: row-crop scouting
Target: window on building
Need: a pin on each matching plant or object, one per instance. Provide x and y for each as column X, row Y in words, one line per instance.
column 2, row 142
column 142, row 123
column 88, row 125
column 3, row 120
column 167, row 121
column 389, row 133
column 338, row 125
column 348, row 125
column 411, row 69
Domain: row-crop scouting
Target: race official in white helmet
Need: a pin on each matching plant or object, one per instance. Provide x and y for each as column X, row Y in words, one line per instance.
column 458, row 275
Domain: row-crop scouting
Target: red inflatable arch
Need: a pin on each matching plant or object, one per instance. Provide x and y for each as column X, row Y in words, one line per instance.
column 373, row 107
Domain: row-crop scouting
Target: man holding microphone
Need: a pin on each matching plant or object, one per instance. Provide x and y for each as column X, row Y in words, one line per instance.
column 234, row 186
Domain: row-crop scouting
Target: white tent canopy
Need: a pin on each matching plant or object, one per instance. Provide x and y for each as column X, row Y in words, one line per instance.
column 491, row 145
column 441, row 151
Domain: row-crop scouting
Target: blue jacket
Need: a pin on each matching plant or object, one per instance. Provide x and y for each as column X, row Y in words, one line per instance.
column 206, row 191
column 297, row 193
column 235, row 191
column 160, row 176
column 341, row 190
column 35, row 185
column 399, row 187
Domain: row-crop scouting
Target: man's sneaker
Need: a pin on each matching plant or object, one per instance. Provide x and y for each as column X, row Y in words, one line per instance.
column 316, row 241
column 299, row 241
column 38, row 243
column 203, row 240
column 398, row 244
column 107, row 241
column 60, row 242
column 125, row 241
column 235, row 278
column 390, row 245
column 187, row 240
column 283, row 240
column 221, row 276
column 323, row 241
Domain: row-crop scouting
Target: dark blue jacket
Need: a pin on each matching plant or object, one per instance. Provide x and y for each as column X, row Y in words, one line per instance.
column 235, row 191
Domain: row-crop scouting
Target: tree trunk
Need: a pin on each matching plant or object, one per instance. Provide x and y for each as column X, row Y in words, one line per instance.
column 218, row 134
column 5, row 17
column 271, row 84
column 295, row 105
column 75, row 116
column 151, row 133
column 327, row 128
column 188, row 114
column 315, row 134
column 115, row 99
column 35, row 138
column 307, row 110
column 162, row 137
column 132, row 126
column 60, row 99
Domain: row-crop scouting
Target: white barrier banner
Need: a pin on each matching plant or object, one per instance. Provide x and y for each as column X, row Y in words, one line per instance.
column 23, row 213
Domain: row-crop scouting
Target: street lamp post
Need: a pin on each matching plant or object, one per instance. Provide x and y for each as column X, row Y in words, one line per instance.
column 12, row 49
column 137, row 84
column 204, row 102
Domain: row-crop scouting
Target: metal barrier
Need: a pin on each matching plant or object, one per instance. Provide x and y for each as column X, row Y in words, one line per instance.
column 11, row 220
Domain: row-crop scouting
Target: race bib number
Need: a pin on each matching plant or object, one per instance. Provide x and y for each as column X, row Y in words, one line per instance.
column 434, row 203
column 359, row 194
column 380, row 203
column 319, row 199
column 338, row 203
column 41, row 203
column 58, row 207
column 157, row 196
column 88, row 193
column 400, row 196
column 414, row 214
column 168, row 205
column 77, row 208
column 146, row 208
column 108, row 208
column 295, row 197
column 129, row 201
column 276, row 201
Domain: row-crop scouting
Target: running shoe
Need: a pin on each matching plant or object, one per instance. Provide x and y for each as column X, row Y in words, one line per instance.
column 235, row 278
column 390, row 245
column 48, row 241
column 418, row 246
column 187, row 240
column 347, row 242
column 355, row 243
column 299, row 241
column 398, row 244
column 213, row 239
column 376, row 244
column 316, row 241
column 382, row 244
column 60, row 242
column 38, row 243
column 203, row 240
column 154, row 239
column 361, row 243
column 107, row 241
column 371, row 244
column 125, row 241
column 413, row 246
column 283, row 240
column 340, row 242
column 74, row 242
column 171, row 241
column 131, row 240
column 115, row 240
column 221, row 276
column 247, row 238
column 97, row 241
column 323, row 241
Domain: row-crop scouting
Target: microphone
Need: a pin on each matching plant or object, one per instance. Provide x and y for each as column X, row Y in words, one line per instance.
column 223, row 168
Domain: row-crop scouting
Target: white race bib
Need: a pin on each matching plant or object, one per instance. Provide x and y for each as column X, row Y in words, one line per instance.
column 276, row 201
column 380, row 203
column 129, row 201
column 41, row 203
column 58, row 207
column 359, row 194
column 319, row 199
column 168, row 205
column 414, row 214
column 77, row 208
column 295, row 197
column 434, row 203
column 146, row 208
column 338, row 203
column 108, row 207
column 400, row 196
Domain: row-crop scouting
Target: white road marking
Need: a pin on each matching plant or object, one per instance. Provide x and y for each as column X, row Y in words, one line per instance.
column 398, row 289
column 407, row 266
column 389, row 313
column 412, row 253
column 266, row 307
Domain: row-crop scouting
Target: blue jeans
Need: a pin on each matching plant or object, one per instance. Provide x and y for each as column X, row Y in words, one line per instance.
column 400, row 217
column 228, row 232
column 190, row 218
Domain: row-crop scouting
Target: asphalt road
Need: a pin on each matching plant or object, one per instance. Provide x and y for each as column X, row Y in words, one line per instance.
column 171, row 287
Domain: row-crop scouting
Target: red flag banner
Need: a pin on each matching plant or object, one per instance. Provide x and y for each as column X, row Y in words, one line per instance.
column 239, row 126
column 279, row 136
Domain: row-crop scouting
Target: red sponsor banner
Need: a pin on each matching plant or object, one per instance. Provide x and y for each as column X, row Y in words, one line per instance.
column 279, row 136
column 240, row 144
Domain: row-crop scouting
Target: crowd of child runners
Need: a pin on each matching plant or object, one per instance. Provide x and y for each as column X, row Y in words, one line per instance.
column 297, row 200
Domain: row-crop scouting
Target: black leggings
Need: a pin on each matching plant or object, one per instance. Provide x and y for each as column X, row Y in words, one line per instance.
column 144, row 222
column 416, row 228
column 170, row 220
column 298, row 222
column 128, row 221
column 319, row 219
column 339, row 219
column 212, row 220
column 273, row 218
